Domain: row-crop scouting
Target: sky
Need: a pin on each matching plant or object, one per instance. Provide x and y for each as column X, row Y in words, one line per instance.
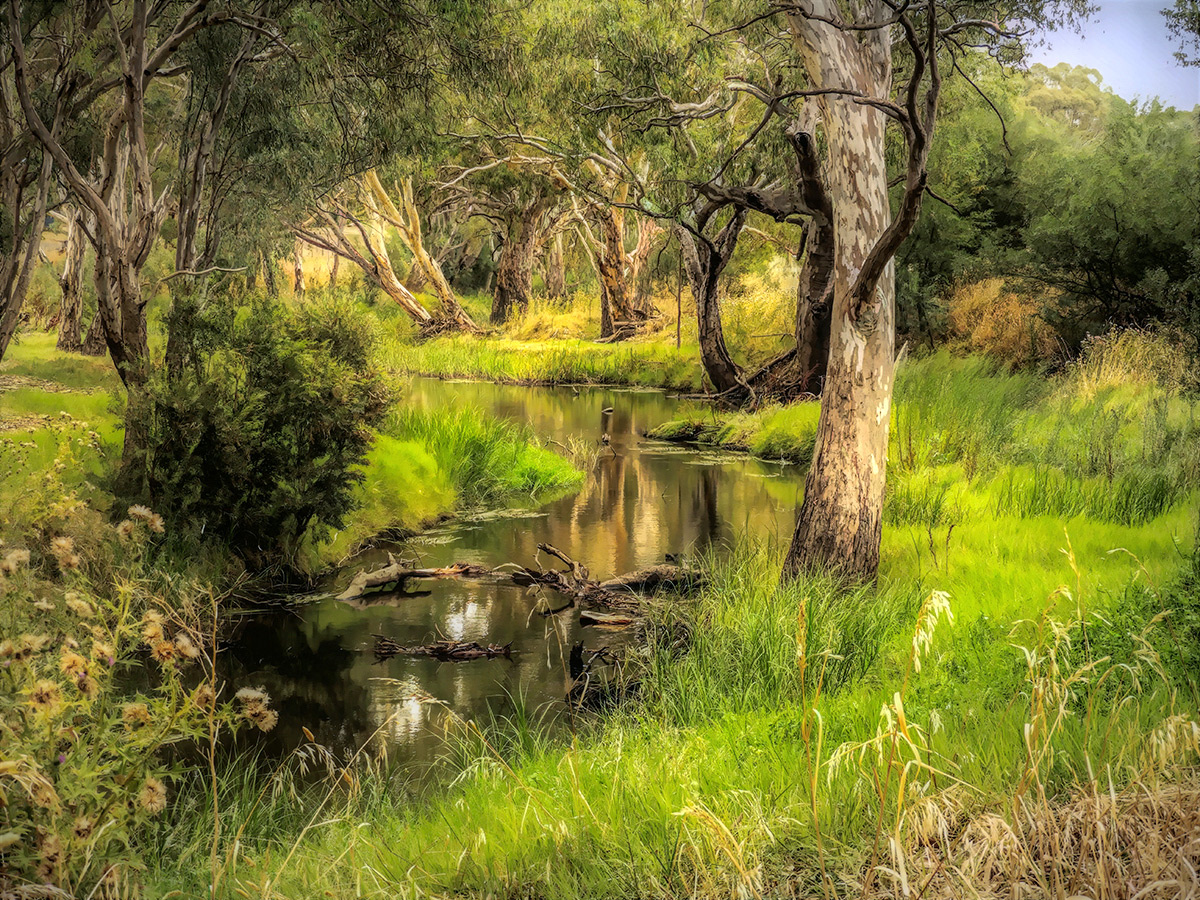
column 1127, row 42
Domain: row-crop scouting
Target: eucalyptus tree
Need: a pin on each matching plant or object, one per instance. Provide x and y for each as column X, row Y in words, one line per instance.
column 525, row 204
column 840, row 58
column 847, row 58
column 117, row 57
column 694, row 119
column 25, row 185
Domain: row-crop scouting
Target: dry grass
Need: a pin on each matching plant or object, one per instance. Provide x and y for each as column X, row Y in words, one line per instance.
column 1142, row 842
column 985, row 318
column 1129, row 356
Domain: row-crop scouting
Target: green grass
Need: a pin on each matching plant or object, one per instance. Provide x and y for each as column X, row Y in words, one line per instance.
column 548, row 362
column 425, row 465
column 1059, row 518
column 720, row 777
column 422, row 466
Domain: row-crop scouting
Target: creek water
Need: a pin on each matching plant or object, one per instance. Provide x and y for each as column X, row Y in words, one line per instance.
column 645, row 499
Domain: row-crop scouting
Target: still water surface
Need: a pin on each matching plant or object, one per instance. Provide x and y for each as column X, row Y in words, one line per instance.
column 644, row 500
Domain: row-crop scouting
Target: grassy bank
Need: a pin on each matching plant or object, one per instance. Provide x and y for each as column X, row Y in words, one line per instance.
column 421, row 467
column 427, row 464
column 1112, row 439
column 509, row 361
column 760, row 763
column 1014, row 701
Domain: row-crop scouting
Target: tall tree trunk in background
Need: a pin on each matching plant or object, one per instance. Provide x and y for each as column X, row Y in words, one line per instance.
column 615, row 305
column 705, row 260
column 514, row 275
column 71, row 282
column 298, row 284
column 814, row 290
column 648, row 230
column 252, row 271
column 94, row 343
column 556, row 269
column 333, row 271
column 404, row 216
column 840, row 521
column 270, row 274
column 20, row 256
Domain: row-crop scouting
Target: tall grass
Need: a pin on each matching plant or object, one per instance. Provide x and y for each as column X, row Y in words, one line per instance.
column 799, row 740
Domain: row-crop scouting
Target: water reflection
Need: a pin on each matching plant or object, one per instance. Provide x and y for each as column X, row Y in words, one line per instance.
column 645, row 500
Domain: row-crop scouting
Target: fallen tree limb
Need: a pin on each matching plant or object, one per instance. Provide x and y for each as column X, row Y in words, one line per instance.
column 446, row 651
column 396, row 572
column 618, row 594
column 654, row 578
column 595, row 617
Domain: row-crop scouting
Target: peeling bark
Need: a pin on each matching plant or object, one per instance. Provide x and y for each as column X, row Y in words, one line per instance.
column 514, row 275
column 71, row 283
column 839, row 525
column 556, row 270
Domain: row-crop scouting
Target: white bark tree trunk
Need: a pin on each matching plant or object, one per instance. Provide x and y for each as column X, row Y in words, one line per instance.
column 839, row 526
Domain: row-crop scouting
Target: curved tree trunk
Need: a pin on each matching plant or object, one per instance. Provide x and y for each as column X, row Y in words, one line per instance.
column 372, row 259
column 704, row 261
column 71, row 282
column 406, row 219
column 840, row 520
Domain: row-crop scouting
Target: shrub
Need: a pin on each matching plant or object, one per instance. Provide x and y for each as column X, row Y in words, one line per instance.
column 984, row 318
column 261, row 433
column 104, row 664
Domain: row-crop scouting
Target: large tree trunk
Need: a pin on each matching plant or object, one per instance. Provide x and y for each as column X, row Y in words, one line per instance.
column 615, row 305
column 839, row 524
column 704, row 261
column 71, row 282
column 514, row 275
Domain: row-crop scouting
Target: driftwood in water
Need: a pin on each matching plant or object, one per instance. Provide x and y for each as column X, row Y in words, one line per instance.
column 616, row 594
column 595, row 617
column 655, row 578
column 386, row 648
column 396, row 572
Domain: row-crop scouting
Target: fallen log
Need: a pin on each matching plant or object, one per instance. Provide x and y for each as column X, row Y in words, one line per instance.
column 619, row 593
column 396, row 572
column 446, row 651
column 595, row 617
column 665, row 577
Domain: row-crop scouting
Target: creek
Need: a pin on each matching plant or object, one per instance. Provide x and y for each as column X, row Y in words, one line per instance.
column 644, row 500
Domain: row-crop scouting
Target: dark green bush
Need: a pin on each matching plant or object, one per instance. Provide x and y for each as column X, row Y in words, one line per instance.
column 258, row 434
